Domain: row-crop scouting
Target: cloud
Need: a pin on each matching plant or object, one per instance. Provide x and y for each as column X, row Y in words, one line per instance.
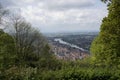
column 67, row 4
column 60, row 15
column 52, row 4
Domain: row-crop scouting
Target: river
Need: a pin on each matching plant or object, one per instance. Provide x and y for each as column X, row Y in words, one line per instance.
column 69, row 44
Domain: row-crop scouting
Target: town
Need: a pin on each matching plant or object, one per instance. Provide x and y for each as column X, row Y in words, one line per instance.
column 63, row 47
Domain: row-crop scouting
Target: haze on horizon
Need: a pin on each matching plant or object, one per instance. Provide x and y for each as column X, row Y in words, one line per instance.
column 60, row 15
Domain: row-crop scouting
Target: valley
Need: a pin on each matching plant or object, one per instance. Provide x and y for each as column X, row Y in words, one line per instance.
column 71, row 46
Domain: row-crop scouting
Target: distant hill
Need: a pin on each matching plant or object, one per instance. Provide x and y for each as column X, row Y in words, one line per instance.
column 69, row 33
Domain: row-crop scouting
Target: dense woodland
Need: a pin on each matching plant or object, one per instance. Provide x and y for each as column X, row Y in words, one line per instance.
column 26, row 55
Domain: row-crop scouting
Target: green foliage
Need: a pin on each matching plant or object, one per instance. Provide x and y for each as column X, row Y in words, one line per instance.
column 106, row 47
column 7, row 50
column 16, row 73
column 80, row 74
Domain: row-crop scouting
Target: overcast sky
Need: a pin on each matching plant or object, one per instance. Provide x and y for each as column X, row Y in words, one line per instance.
column 60, row 15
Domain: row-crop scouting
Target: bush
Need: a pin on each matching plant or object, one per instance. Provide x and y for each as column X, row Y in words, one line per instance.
column 81, row 74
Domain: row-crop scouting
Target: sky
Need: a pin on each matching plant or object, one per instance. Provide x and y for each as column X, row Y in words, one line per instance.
column 60, row 15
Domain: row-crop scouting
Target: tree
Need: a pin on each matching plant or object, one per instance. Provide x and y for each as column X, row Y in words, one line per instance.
column 29, row 42
column 3, row 12
column 106, row 47
column 7, row 56
column 7, row 52
column 106, row 1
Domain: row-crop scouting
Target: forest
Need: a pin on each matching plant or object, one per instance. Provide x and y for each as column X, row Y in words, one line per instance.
column 26, row 55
